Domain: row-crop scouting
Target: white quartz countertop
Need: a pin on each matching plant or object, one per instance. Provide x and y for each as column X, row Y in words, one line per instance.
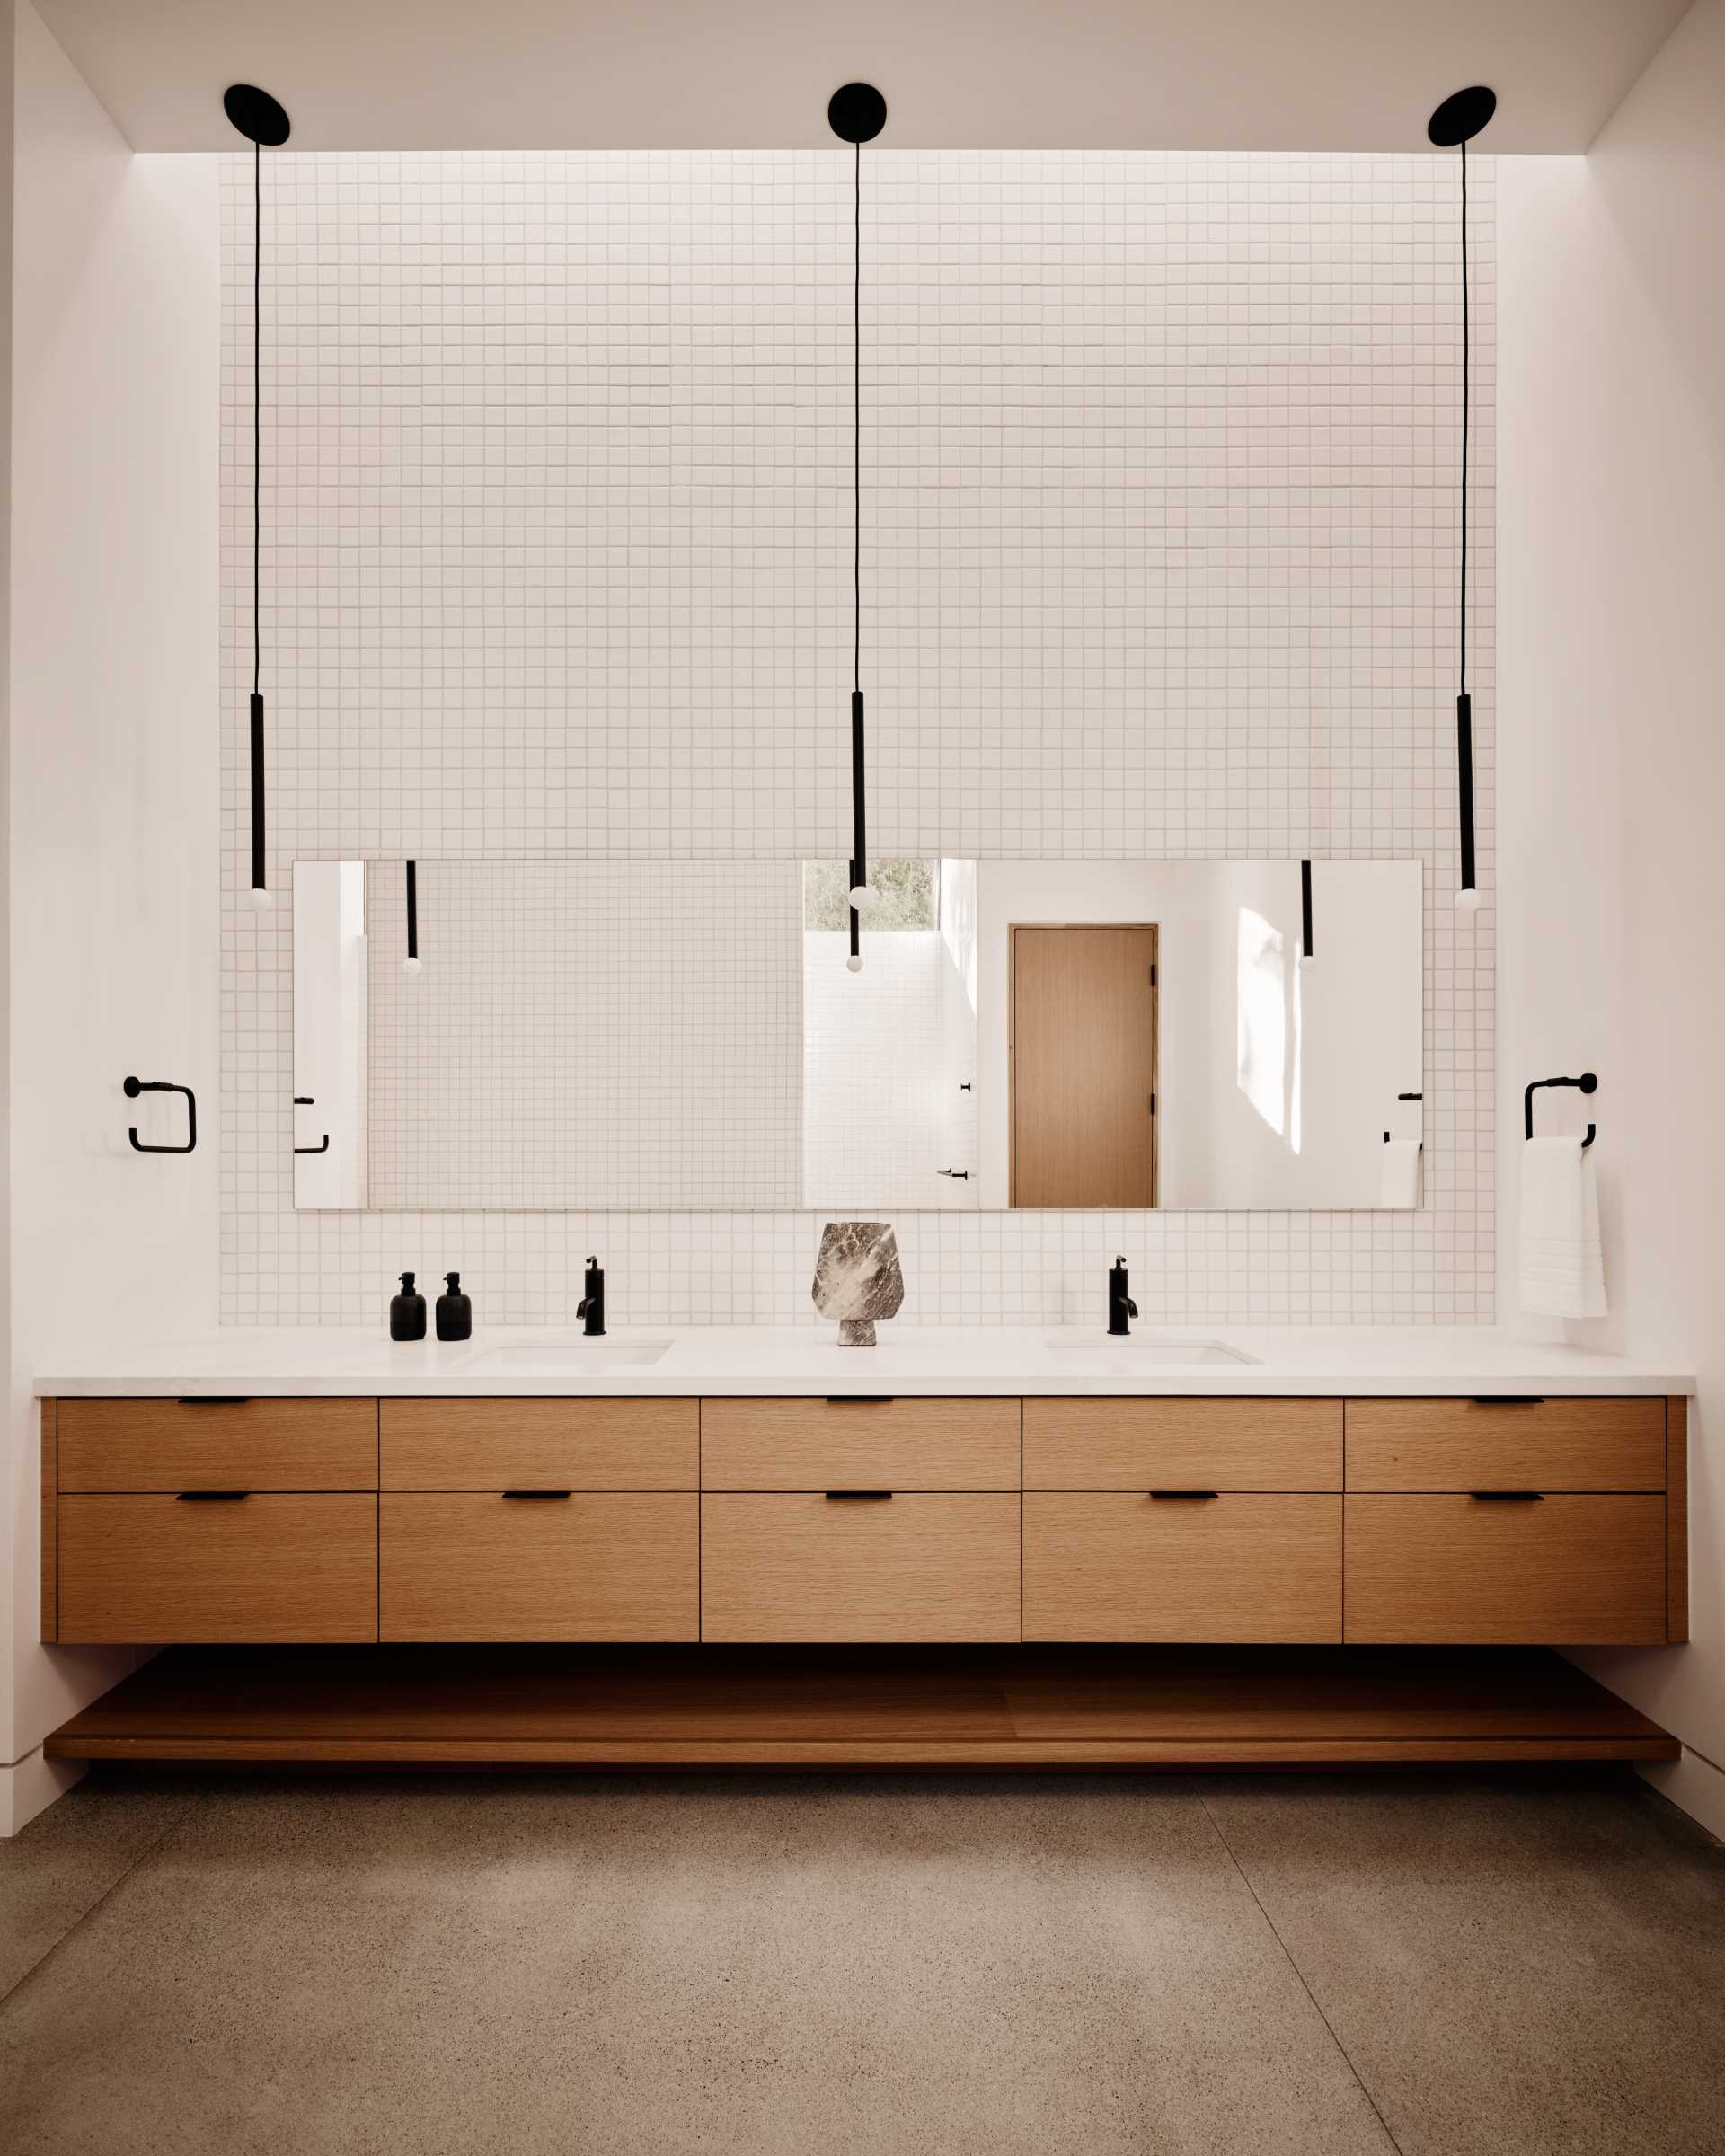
column 325, row 1362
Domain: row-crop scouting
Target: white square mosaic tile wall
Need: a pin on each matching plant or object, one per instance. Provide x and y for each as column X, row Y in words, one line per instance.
column 1161, row 529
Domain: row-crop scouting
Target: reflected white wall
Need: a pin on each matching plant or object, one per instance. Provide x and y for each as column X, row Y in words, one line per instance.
column 1324, row 1049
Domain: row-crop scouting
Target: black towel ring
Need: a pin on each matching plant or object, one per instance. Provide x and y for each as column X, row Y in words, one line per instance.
column 135, row 1086
column 1585, row 1084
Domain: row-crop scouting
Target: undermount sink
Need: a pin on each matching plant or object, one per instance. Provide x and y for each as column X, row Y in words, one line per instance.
column 1105, row 1351
column 573, row 1355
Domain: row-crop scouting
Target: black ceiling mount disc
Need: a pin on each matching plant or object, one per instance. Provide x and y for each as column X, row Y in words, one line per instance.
column 1460, row 117
column 857, row 112
column 256, row 114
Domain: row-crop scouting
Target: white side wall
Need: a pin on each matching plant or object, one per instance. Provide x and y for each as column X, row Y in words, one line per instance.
column 8, row 34
column 114, row 773
column 1613, row 651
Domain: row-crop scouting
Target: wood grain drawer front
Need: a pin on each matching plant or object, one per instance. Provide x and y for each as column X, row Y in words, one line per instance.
column 298, row 1567
column 823, row 1445
column 585, row 1567
column 1113, row 1566
column 171, row 1444
column 492, row 1444
column 915, row 1566
column 1548, row 1444
column 1466, row 1571
column 1139, row 1444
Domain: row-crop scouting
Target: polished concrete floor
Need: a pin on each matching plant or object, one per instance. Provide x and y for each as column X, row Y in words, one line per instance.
column 1440, row 1964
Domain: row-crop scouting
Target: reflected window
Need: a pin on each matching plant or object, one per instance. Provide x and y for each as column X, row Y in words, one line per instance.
column 906, row 895
column 1260, row 1013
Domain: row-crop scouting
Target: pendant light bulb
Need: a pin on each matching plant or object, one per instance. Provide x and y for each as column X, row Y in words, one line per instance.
column 259, row 899
column 1467, row 899
column 853, row 964
column 410, row 967
column 862, row 895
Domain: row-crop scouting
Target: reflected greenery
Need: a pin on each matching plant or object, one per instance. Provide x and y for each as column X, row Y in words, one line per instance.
column 906, row 895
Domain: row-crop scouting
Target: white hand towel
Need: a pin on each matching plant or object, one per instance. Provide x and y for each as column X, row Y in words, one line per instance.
column 1400, row 1185
column 1562, row 1267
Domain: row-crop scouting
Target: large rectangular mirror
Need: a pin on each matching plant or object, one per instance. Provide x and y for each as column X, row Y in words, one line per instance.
column 690, row 1036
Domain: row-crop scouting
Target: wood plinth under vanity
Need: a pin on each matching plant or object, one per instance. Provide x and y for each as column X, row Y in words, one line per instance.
column 1086, row 1543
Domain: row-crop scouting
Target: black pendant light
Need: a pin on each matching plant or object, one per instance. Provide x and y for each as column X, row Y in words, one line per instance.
column 410, row 964
column 263, row 123
column 1453, row 126
column 856, row 114
column 1306, row 911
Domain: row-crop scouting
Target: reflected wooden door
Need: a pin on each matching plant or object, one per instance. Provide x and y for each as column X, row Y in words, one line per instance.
column 1082, row 1051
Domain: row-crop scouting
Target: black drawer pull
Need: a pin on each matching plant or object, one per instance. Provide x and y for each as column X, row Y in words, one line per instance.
column 1183, row 1497
column 1508, row 1400
column 211, row 1497
column 537, row 1495
column 1508, row 1497
column 859, row 1399
column 854, row 1496
column 213, row 1400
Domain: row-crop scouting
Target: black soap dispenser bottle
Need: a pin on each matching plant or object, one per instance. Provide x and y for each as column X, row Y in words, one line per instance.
column 455, row 1311
column 407, row 1312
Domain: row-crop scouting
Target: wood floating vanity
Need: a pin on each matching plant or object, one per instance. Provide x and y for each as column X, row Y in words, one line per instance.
column 1071, row 1525
column 1447, row 1522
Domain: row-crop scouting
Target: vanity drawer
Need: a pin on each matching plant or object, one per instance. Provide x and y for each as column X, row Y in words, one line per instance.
column 1140, row 1444
column 492, row 1444
column 860, row 1445
column 913, row 1566
column 584, row 1566
column 1473, row 1571
column 175, row 1445
column 1549, row 1444
column 1123, row 1565
column 281, row 1567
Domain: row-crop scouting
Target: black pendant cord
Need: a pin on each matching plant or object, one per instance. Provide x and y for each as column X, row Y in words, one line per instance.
column 1452, row 126
column 858, row 867
column 859, row 783
column 1467, row 893
column 1467, row 401
column 857, row 430
column 857, row 113
column 257, row 411
column 258, row 805
column 261, row 120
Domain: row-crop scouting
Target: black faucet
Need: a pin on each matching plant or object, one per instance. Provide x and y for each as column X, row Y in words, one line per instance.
column 1120, row 1306
column 591, row 1305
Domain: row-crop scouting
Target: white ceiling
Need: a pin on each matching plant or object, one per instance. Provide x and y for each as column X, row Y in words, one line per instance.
column 1259, row 74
